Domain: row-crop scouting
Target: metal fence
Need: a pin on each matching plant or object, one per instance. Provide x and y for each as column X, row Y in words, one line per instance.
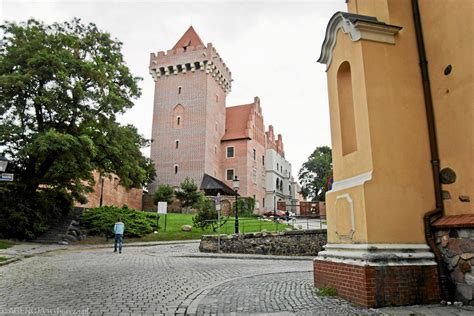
column 259, row 224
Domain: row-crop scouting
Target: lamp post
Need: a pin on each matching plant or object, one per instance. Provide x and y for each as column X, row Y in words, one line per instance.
column 102, row 178
column 274, row 205
column 236, row 184
column 3, row 163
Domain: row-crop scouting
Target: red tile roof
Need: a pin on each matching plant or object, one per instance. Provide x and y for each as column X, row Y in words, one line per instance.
column 450, row 221
column 236, row 121
column 189, row 38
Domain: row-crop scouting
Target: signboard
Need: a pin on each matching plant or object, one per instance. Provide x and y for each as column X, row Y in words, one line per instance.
column 217, row 201
column 162, row 206
column 6, row 176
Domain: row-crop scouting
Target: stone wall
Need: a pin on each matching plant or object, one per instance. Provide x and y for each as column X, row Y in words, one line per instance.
column 457, row 248
column 288, row 243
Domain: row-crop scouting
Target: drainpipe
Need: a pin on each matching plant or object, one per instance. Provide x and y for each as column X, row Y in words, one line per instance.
column 432, row 215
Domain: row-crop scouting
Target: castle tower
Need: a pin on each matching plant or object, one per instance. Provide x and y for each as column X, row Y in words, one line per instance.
column 191, row 85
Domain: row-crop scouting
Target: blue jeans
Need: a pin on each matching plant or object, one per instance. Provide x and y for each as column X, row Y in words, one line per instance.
column 119, row 241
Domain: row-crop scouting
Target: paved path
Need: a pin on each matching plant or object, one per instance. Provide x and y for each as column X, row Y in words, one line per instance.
column 164, row 280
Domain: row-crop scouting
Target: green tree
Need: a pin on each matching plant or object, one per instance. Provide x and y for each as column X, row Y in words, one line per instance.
column 188, row 193
column 207, row 214
column 62, row 86
column 314, row 174
column 164, row 193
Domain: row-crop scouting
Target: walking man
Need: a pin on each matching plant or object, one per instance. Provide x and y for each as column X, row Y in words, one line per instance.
column 119, row 227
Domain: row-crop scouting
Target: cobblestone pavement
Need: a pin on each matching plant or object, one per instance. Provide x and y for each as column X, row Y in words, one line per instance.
column 166, row 280
column 155, row 280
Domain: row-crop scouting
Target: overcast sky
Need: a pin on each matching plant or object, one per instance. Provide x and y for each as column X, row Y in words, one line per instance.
column 271, row 48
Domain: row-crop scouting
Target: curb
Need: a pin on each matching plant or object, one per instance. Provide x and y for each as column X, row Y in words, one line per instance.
column 11, row 260
column 247, row 256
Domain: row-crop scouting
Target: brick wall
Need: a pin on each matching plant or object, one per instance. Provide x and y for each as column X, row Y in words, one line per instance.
column 377, row 286
column 113, row 194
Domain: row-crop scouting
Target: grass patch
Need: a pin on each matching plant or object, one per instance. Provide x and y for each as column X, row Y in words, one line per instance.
column 326, row 291
column 174, row 222
column 4, row 244
column 3, row 259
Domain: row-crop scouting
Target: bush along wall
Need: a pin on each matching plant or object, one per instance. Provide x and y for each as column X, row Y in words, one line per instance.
column 100, row 221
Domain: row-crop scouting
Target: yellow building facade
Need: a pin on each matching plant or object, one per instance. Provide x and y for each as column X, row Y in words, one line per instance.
column 402, row 130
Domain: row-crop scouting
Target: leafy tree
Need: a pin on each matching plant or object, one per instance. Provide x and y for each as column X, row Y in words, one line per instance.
column 188, row 193
column 164, row 193
column 207, row 214
column 61, row 87
column 314, row 174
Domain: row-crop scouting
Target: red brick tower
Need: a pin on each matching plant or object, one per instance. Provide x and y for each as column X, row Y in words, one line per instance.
column 191, row 84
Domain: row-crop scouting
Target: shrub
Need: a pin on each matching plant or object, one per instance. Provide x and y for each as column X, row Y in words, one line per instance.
column 207, row 214
column 246, row 206
column 101, row 220
column 27, row 217
column 164, row 193
column 188, row 193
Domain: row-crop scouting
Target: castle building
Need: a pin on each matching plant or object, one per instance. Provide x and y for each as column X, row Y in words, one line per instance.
column 195, row 134
column 400, row 214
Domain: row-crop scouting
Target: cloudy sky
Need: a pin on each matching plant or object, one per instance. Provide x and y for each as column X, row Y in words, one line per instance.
column 271, row 48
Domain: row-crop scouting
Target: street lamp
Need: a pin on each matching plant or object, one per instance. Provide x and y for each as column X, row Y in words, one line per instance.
column 3, row 163
column 102, row 178
column 236, row 184
column 274, row 205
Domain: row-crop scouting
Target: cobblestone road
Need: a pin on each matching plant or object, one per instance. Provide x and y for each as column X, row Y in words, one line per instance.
column 158, row 280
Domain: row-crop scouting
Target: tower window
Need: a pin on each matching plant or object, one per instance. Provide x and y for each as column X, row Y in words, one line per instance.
column 230, row 152
column 229, row 174
column 263, row 160
column 178, row 116
column 254, row 154
column 177, row 144
column 179, row 89
column 176, row 169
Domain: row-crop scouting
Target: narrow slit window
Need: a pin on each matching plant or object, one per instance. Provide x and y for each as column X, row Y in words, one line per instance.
column 177, row 144
column 179, row 89
column 176, row 169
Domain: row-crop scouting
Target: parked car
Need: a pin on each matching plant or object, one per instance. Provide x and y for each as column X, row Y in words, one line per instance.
column 279, row 215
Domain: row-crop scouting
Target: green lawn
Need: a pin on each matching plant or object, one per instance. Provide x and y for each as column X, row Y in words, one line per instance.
column 175, row 221
column 3, row 259
column 4, row 244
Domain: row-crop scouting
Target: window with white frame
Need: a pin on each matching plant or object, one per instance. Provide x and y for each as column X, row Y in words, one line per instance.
column 230, row 152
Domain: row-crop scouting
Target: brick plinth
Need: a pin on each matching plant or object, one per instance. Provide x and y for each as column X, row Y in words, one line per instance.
column 377, row 286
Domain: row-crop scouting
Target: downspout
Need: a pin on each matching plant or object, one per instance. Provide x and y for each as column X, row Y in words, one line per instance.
column 434, row 214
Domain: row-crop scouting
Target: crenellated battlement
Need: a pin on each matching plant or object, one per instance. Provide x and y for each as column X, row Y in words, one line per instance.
column 181, row 60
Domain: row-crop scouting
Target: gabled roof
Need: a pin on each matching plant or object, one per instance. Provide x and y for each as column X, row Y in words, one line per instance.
column 212, row 186
column 236, row 121
column 189, row 38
